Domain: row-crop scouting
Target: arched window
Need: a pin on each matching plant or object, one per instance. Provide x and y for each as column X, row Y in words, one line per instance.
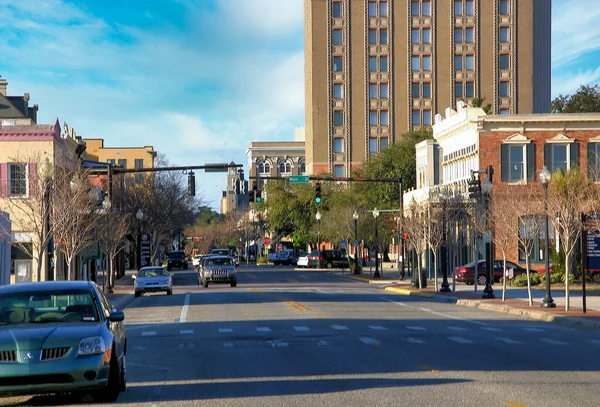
column 263, row 167
column 302, row 167
column 285, row 167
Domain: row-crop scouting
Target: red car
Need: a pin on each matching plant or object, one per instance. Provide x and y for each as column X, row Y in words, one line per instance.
column 465, row 273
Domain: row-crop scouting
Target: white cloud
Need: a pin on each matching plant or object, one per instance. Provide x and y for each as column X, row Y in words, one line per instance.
column 574, row 30
column 569, row 82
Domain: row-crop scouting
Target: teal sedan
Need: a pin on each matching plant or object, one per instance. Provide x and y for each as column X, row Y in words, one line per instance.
column 61, row 337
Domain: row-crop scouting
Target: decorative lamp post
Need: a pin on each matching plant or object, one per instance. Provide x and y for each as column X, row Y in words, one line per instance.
column 139, row 215
column 488, row 291
column 356, row 265
column 545, row 176
column 376, row 274
column 318, row 217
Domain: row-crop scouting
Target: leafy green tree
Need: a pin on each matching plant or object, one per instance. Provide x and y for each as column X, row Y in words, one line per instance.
column 480, row 102
column 585, row 100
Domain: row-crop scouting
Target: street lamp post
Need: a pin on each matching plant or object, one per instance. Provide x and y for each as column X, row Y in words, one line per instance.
column 444, row 287
column 139, row 216
column 488, row 291
column 376, row 215
column 544, row 178
column 356, row 265
column 318, row 217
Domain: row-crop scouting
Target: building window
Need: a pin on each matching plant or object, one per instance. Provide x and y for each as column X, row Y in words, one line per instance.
column 372, row 64
column 122, row 163
column 263, row 167
column 337, row 64
column 111, row 161
column 427, row 117
column 469, row 35
column 383, row 143
column 470, row 62
column 458, row 9
column 302, row 167
column 383, row 65
column 383, row 38
column 414, row 36
column 504, row 111
column 458, row 65
column 383, row 9
column 373, row 145
column 426, row 8
column 372, row 9
column 504, row 34
column 372, row 36
column 285, row 167
column 516, row 163
column 416, row 118
column 383, row 118
column 17, row 179
column 383, row 90
column 503, row 62
column 458, row 35
column 415, row 90
column 415, row 63
column 338, row 118
column 373, row 118
column 426, row 36
column 337, row 37
column 426, row 89
column 427, row 63
column 414, row 8
column 337, row 9
column 458, row 89
column 469, row 8
column 373, row 91
column 469, row 89
column 338, row 91
column 338, row 170
column 338, row 145
column 530, row 232
column 559, row 154
column 503, row 89
column 504, row 7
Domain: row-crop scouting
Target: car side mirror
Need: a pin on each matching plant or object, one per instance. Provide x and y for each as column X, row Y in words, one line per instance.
column 134, row 276
column 116, row 316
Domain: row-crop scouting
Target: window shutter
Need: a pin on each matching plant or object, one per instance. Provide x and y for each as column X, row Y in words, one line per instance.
column 548, row 156
column 530, row 161
column 592, row 163
column 3, row 179
column 32, row 179
column 504, row 163
column 574, row 158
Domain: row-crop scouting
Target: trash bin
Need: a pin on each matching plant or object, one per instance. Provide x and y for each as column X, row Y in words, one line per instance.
column 415, row 281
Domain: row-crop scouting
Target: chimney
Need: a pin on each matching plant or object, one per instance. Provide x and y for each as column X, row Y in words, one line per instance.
column 3, row 84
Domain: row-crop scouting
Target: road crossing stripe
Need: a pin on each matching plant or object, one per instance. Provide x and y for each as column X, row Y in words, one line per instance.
column 457, row 328
column 508, row 341
column 263, row 329
column 301, row 328
column 186, row 331
column 339, row 327
column 489, row 328
column 414, row 340
column 460, row 340
column 378, row 328
column 184, row 310
column 416, row 328
column 225, row 330
column 533, row 329
column 148, row 333
column 552, row 341
column 370, row 341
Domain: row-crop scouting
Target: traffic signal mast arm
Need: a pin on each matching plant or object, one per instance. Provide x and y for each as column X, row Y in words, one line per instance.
column 335, row 179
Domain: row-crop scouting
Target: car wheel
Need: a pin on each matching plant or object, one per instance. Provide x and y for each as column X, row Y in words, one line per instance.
column 123, row 386
column 137, row 294
column 481, row 279
column 110, row 393
column 170, row 292
column 234, row 284
column 329, row 265
column 185, row 267
column 205, row 284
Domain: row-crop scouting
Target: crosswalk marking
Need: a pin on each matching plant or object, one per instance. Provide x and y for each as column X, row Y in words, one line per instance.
column 416, row 328
column 278, row 343
column 148, row 333
column 594, row 341
column 533, row 329
column 322, row 343
column 414, row 340
column 370, row 341
column 508, row 341
column 186, row 331
column 225, row 330
column 263, row 329
column 491, row 329
column 460, row 339
column 301, row 328
column 228, row 344
column 552, row 341
column 457, row 328
column 340, row 327
column 378, row 328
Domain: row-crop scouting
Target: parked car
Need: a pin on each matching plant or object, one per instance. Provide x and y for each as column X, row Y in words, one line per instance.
column 218, row 270
column 283, row 257
column 328, row 259
column 303, row 260
column 301, row 253
column 152, row 279
column 61, row 337
column 465, row 273
column 177, row 258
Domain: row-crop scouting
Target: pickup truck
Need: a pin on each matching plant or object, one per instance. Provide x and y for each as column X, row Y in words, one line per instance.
column 282, row 257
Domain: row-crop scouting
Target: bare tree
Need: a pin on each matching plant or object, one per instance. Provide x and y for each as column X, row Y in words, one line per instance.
column 480, row 226
column 416, row 224
column 435, row 231
column 569, row 196
column 112, row 227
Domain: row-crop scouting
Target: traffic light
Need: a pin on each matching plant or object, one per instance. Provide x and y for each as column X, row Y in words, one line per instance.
column 318, row 193
column 257, row 196
column 191, row 184
column 474, row 188
column 252, row 193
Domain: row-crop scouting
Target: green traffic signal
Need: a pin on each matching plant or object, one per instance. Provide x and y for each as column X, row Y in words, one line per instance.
column 318, row 199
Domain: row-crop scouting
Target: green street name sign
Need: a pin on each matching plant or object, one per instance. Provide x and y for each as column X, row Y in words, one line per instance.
column 299, row 179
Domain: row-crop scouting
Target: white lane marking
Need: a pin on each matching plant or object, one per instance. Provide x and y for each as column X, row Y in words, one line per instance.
column 508, row 341
column 263, row 329
column 457, row 328
column 378, row 328
column 339, row 327
column 370, row 341
column 278, row 343
column 304, row 277
column 552, row 341
column 228, row 344
column 460, row 339
column 301, row 328
column 533, row 329
column 414, row 340
column 184, row 310
column 225, row 330
column 186, row 332
column 148, row 333
column 435, row 312
column 322, row 343
column 489, row 328
column 594, row 341
column 416, row 328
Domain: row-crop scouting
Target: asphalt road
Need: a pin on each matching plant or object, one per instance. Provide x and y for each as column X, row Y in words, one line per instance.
column 313, row 338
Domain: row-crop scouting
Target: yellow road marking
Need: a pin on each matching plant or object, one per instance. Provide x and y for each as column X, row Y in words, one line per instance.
column 293, row 304
column 514, row 404
column 427, row 367
column 251, row 276
column 292, row 281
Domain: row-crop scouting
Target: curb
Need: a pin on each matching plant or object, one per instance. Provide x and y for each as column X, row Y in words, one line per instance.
column 567, row 321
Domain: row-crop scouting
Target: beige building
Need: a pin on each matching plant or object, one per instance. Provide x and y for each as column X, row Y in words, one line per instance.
column 125, row 157
column 375, row 69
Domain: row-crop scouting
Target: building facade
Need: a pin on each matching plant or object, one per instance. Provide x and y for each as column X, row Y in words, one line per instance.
column 376, row 69
column 15, row 110
column 124, row 157
column 275, row 159
column 5, row 248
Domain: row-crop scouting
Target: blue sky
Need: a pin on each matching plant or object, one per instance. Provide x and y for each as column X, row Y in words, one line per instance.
column 198, row 79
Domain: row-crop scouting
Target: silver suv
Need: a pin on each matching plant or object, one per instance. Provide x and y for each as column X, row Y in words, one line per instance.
column 218, row 270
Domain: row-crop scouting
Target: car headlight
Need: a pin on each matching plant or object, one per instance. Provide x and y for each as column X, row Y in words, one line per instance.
column 91, row 346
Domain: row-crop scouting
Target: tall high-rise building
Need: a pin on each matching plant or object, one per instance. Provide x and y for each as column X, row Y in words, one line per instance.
column 376, row 69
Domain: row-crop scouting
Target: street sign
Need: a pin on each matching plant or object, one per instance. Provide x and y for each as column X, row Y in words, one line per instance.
column 299, row 179
column 267, row 241
column 240, row 245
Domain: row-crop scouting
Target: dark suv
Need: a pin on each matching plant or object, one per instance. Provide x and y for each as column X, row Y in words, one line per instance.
column 177, row 258
column 328, row 259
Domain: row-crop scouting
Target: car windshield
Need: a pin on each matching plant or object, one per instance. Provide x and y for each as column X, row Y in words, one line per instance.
column 179, row 255
column 223, row 252
column 43, row 307
column 218, row 262
column 154, row 272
